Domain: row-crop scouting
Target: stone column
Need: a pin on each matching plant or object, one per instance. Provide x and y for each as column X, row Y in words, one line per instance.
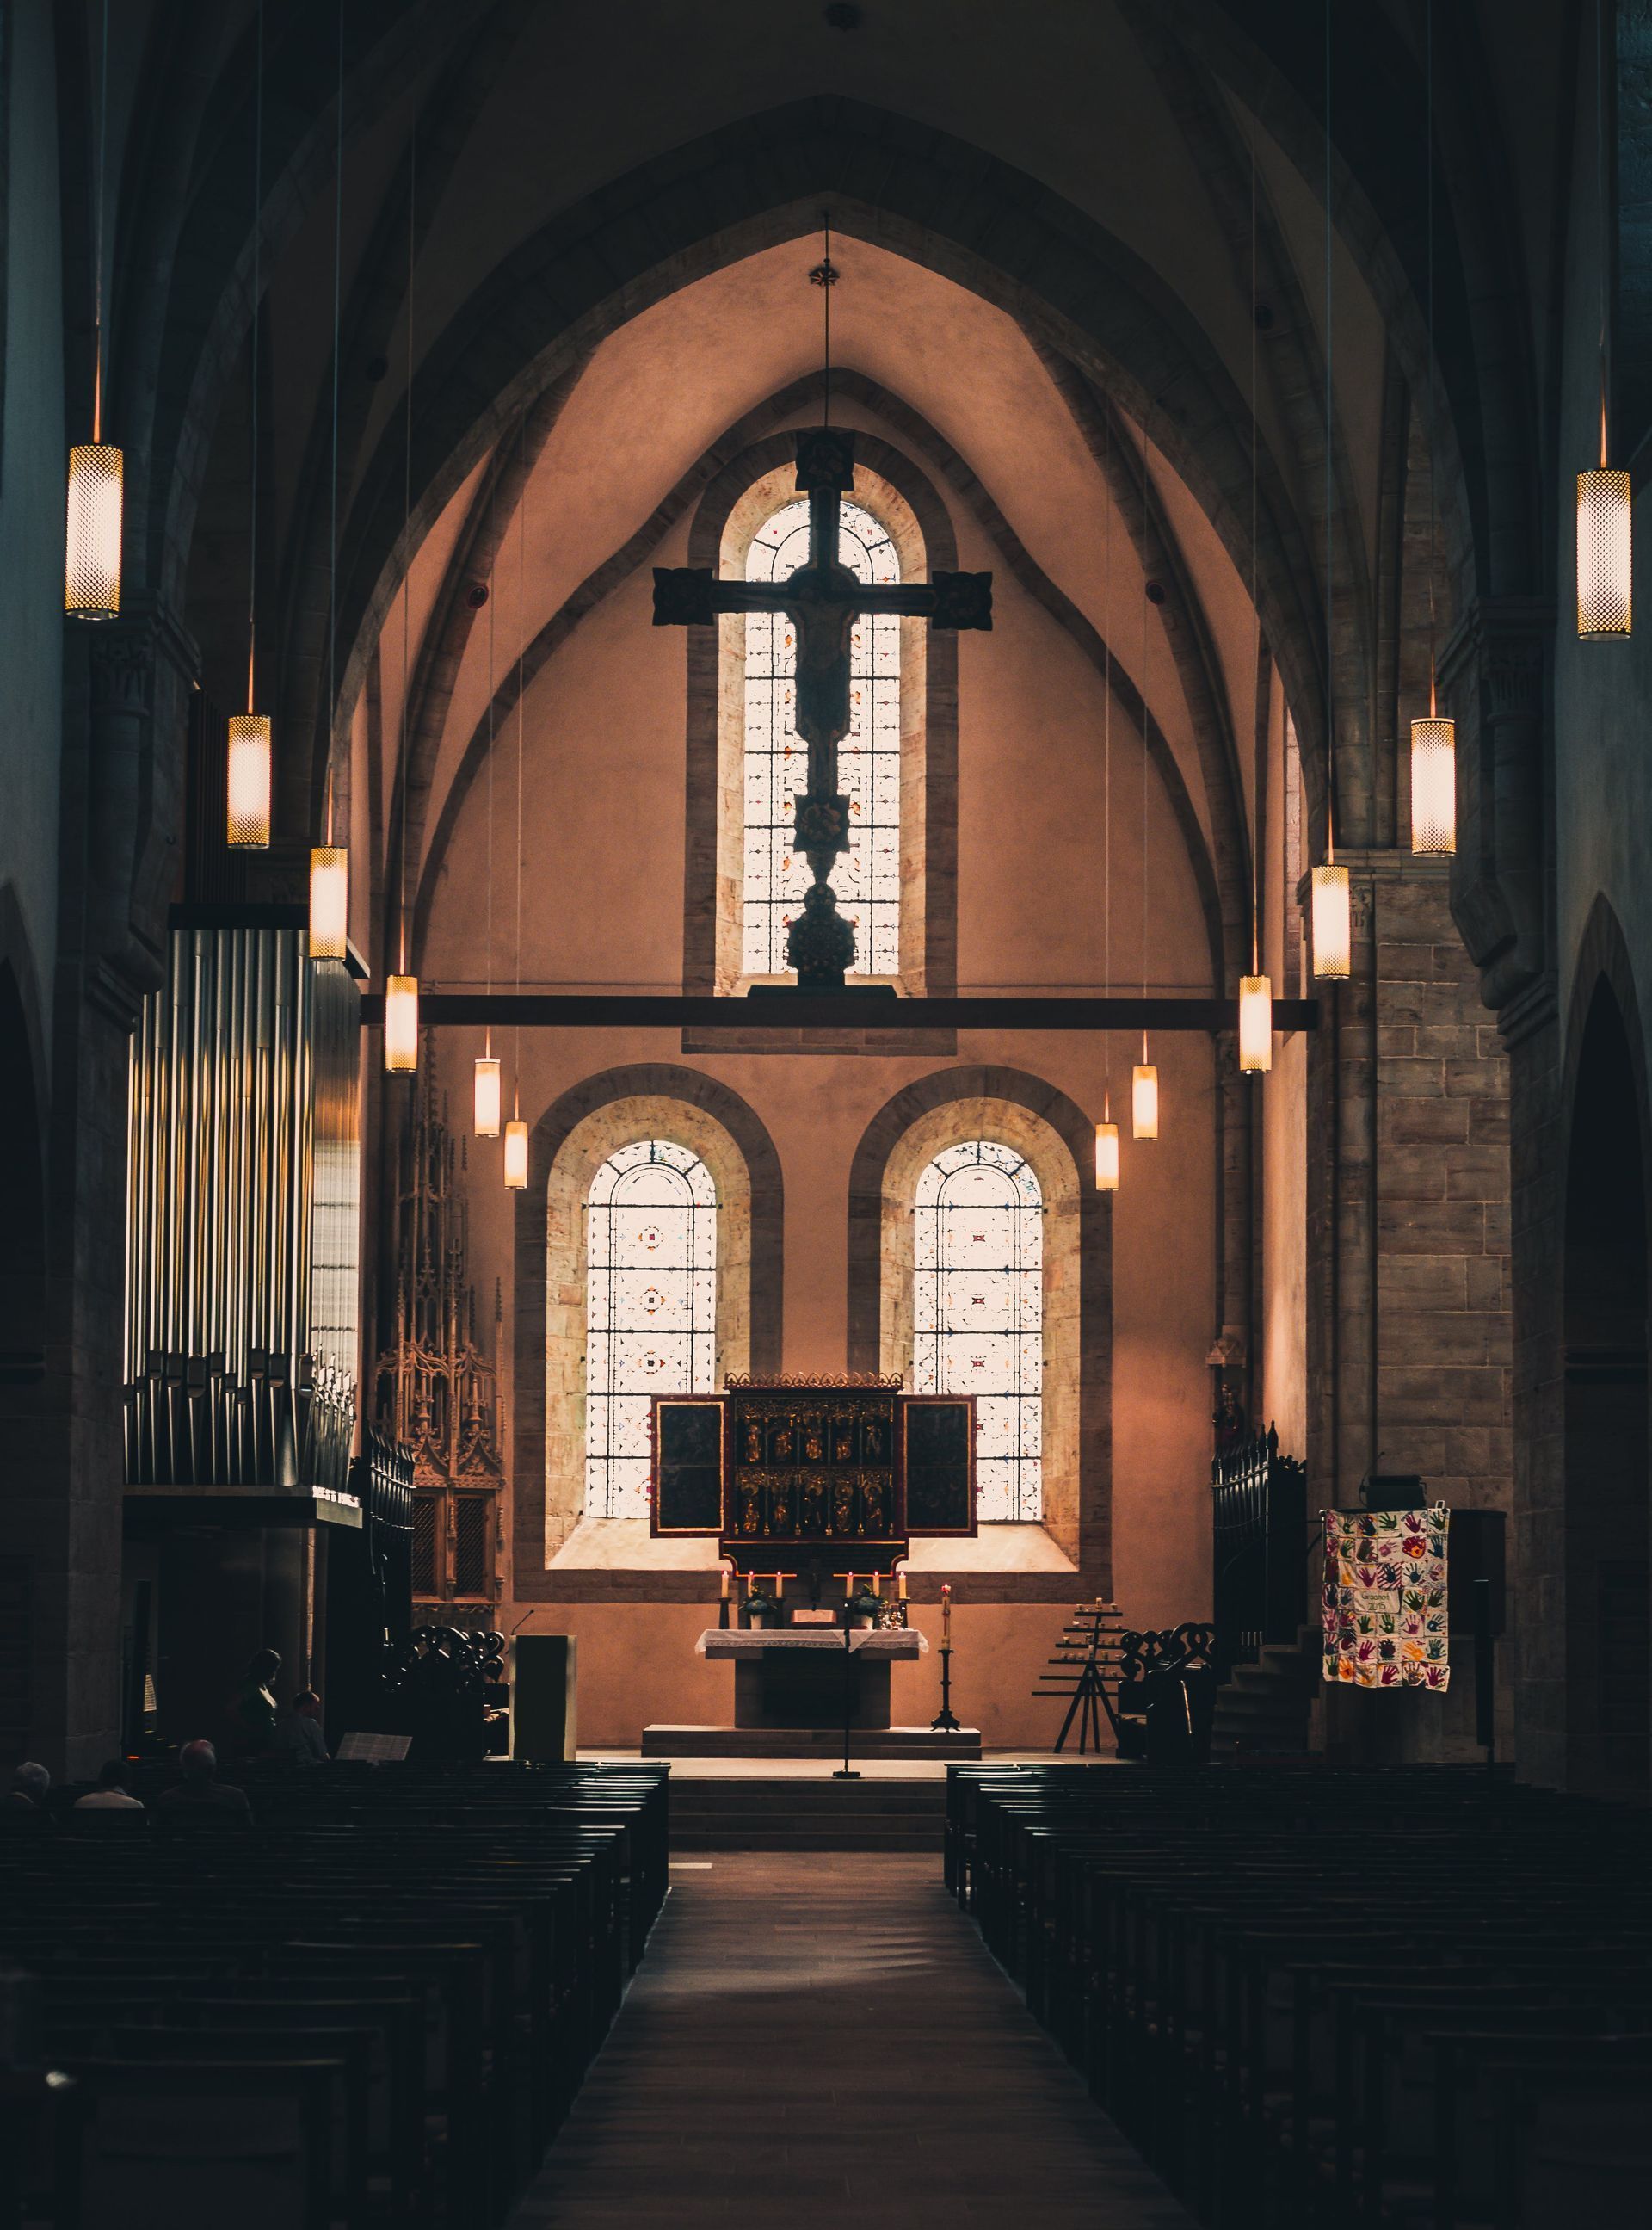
column 125, row 703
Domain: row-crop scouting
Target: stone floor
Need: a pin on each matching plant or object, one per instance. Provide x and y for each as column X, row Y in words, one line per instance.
column 815, row 2032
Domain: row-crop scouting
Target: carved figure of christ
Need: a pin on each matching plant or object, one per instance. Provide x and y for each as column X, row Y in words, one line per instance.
column 822, row 599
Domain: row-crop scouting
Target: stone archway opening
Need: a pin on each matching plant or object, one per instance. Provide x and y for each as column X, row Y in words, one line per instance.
column 1608, row 1510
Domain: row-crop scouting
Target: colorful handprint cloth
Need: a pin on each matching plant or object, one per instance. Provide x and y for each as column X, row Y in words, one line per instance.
column 1384, row 1604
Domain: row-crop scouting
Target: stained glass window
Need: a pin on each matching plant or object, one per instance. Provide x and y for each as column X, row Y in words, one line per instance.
column 866, row 878
column 651, row 1309
column 978, row 1311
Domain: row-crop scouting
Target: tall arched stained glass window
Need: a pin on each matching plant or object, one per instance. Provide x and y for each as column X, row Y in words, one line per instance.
column 651, row 1309
column 978, row 1311
column 866, row 878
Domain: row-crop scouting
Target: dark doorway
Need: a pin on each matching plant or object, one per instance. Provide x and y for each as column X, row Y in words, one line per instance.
column 1608, row 1512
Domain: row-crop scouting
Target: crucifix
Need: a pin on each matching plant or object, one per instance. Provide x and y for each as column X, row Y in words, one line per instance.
column 822, row 599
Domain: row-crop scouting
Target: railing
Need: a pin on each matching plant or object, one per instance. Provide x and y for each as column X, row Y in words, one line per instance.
column 1259, row 1520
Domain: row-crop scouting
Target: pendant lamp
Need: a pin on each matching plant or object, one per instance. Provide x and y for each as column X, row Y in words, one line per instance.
column 1605, row 543
column 487, row 1096
column 329, row 862
column 248, row 782
column 1333, row 921
column 1107, row 1157
column 516, row 1156
column 1256, row 1024
column 97, row 478
column 402, row 1025
column 247, row 774
column 91, row 546
column 1434, row 787
column 329, row 902
column 1144, row 1102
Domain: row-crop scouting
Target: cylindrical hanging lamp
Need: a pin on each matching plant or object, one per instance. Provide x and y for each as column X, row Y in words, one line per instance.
column 1144, row 1101
column 401, row 1024
column 1107, row 1157
column 329, row 902
column 516, row 1156
column 1604, row 547
column 92, row 545
column 1333, row 923
column 248, row 782
column 1256, row 1024
column 487, row 1096
column 1434, row 786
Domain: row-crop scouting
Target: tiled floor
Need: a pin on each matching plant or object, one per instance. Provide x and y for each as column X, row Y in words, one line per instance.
column 812, row 2033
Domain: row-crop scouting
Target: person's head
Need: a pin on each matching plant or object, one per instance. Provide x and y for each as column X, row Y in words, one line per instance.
column 113, row 1775
column 264, row 1668
column 307, row 1704
column 31, row 1781
column 198, row 1762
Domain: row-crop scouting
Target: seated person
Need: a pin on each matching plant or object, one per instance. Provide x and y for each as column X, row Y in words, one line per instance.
column 200, row 1792
column 27, row 1793
column 297, row 1732
column 109, row 1794
column 253, row 1713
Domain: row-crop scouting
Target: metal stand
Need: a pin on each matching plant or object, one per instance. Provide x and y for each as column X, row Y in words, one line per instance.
column 945, row 1723
column 845, row 1771
column 1089, row 1692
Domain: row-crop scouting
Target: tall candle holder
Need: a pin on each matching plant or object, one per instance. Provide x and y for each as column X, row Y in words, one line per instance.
column 946, row 1722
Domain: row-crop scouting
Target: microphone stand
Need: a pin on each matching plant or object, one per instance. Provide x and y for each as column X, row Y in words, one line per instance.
column 845, row 1771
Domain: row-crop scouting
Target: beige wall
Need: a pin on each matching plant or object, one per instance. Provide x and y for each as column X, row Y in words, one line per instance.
column 603, row 847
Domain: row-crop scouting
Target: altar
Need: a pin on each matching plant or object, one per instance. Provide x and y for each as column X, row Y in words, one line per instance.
column 801, row 1676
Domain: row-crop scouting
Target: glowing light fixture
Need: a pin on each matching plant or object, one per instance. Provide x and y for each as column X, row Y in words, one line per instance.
column 1604, row 542
column 1333, row 921
column 1107, row 1157
column 91, row 546
column 329, row 902
column 1434, row 786
column 248, row 782
column 516, row 1156
column 487, row 1096
column 1256, row 1024
column 402, row 1025
column 1144, row 1101
column 97, row 480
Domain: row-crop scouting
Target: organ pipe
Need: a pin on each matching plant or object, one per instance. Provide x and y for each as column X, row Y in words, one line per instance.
column 242, row 1197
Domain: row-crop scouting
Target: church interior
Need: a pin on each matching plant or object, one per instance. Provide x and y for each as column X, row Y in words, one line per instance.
column 823, row 1112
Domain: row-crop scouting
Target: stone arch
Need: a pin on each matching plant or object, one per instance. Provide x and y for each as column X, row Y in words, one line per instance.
column 900, row 494
column 551, row 301
column 1606, row 1547
column 1056, row 1137
column 566, row 1147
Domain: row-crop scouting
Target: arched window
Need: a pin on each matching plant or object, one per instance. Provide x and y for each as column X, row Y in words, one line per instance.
column 651, row 1309
column 866, row 878
column 978, row 1311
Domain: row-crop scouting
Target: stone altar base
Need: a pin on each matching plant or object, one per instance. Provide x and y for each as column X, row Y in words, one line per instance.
column 822, row 1744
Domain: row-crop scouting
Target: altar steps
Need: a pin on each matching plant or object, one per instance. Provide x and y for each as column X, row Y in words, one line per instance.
column 807, row 1815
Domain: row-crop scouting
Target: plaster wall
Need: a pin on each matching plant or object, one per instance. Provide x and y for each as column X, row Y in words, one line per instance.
column 603, row 847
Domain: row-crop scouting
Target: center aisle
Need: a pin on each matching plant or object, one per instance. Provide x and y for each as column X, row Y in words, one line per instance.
column 818, row 2030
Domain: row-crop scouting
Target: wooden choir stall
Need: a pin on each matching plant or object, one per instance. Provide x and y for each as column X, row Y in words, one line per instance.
column 814, row 1489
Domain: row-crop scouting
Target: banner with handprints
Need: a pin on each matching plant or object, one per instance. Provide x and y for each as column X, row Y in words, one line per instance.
column 1385, row 1602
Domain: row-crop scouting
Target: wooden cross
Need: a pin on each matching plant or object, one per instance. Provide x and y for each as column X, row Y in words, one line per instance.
column 822, row 599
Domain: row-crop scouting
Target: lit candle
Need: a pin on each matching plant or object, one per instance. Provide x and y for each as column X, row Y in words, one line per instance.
column 878, row 1585
column 945, row 1617
column 848, row 1586
column 780, row 1586
column 900, row 1582
column 726, row 1583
